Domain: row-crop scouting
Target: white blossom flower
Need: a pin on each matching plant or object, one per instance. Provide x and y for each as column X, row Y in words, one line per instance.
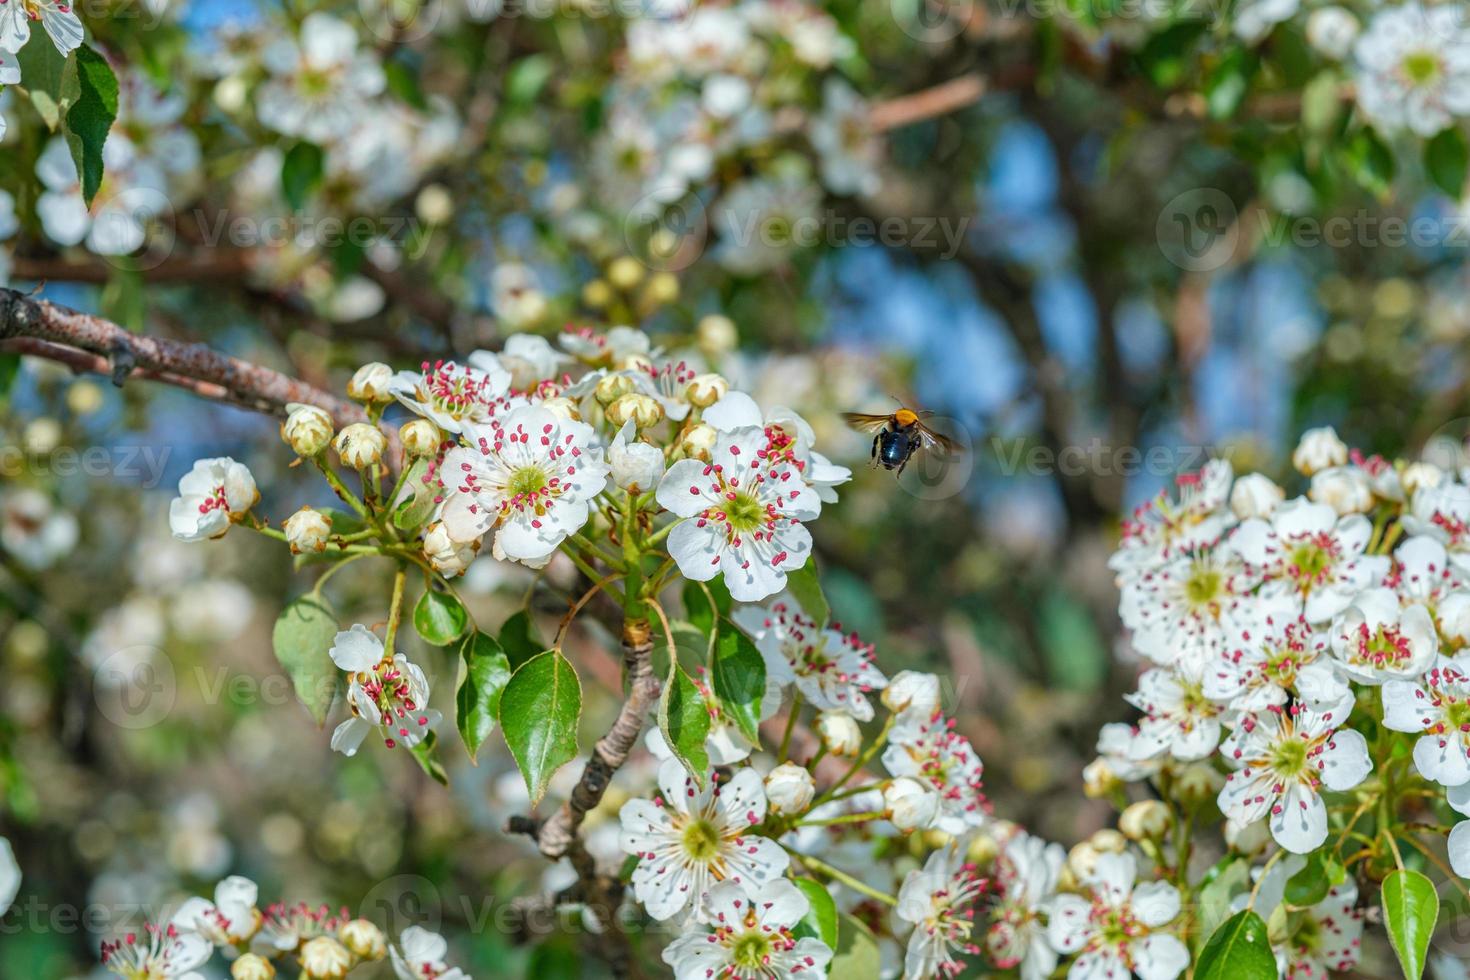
column 1436, row 707
column 751, row 938
column 1189, row 607
column 160, row 953
column 1327, row 937
column 741, row 516
column 696, row 838
column 1279, row 659
column 419, row 955
column 530, row 359
column 1116, row 929
column 1423, row 574
column 57, row 18
column 834, row 671
column 1254, row 19
column 1442, row 512
column 35, row 531
column 214, row 493
column 1306, row 552
column 517, row 299
column 1026, row 874
column 530, row 476
column 390, row 694
column 9, row 876
column 635, row 466
column 844, row 139
column 320, row 82
column 1163, row 526
column 1283, row 757
column 1179, row 718
column 788, row 437
column 1116, row 749
column 1412, row 68
column 762, row 220
column 116, row 223
column 453, row 395
column 930, row 751
column 229, row 920
column 668, row 384
column 1376, row 639
column 937, row 901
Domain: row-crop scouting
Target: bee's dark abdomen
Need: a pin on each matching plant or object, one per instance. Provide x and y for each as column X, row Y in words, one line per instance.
column 894, row 450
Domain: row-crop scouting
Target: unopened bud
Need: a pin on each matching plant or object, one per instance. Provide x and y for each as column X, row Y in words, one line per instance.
column 1099, row 780
column 360, row 445
column 1082, row 859
column 1196, row 783
column 716, row 335
column 449, row 557
column 912, row 689
column 1145, row 820
column 420, row 437
column 909, row 805
column 706, row 389
column 597, row 294
column 612, row 387
column 840, row 733
column 662, row 289
column 252, row 966
column 307, row 531
column 1108, row 841
column 698, row 441
column 307, row 429
column 364, row 940
column 563, row 408
column 625, row 273
column 323, row 958
column 643, row 410
column 370, row 383
column 790, row 789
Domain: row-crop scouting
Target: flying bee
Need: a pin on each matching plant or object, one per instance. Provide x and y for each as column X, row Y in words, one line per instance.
column 899, row 436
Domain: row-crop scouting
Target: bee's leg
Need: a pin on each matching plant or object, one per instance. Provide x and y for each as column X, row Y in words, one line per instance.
column 905, row 463
column 874, row 455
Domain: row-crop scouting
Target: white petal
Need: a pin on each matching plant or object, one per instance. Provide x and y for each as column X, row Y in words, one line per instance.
column 1156, row 903
column 1159, row 957
column 1345, row 760
column 1301, row 824
column 1459, row 848
column 358, row 648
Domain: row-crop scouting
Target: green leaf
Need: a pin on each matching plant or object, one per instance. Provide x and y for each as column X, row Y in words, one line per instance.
column 697, row 606
column 519, row 640
column 1312, row 883
column 738, row 676
column 1168, row 55
column 439, row 618
column 1370, row 161
column 1227, row 85
column 856, row 952
column 50, row 80
column 418, row 503
column 527, row 77
column 91, row 117
column 1238, row 950
column 683, row 717
column 1445, row 160
column 487, row 671
column 301, row 173
column 1223, row 882
column 302, row 637
column 1410, row 910
column 806, row 588
column 821, row 919
column 424, row 754
column 539, row 711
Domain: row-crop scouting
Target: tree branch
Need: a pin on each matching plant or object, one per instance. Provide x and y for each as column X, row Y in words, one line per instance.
column 940, row 100
column 558, row 833
column 91, row 344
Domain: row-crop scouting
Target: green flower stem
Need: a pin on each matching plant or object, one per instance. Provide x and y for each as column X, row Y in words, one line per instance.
column 269, row 532
column 345, row 494
column 845, row 818
column 822, row 867
column 634, row 606
column 660, row 534
column 316, row 590
column 790, row 727
column 596, row 551
column 395, row 608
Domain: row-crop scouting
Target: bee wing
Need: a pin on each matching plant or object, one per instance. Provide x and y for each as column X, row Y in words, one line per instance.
column 937, row 440
column 866, row 423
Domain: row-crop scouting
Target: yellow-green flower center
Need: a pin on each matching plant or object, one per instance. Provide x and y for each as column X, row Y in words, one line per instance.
column 1289, row 757
column 1421, row 67
column 745, row 513
column 751, row 951
column 701, row 840
column 526, row 481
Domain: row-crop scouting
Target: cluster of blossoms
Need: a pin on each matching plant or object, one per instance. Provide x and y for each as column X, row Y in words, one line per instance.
column 735, row 88
column 315, row 943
